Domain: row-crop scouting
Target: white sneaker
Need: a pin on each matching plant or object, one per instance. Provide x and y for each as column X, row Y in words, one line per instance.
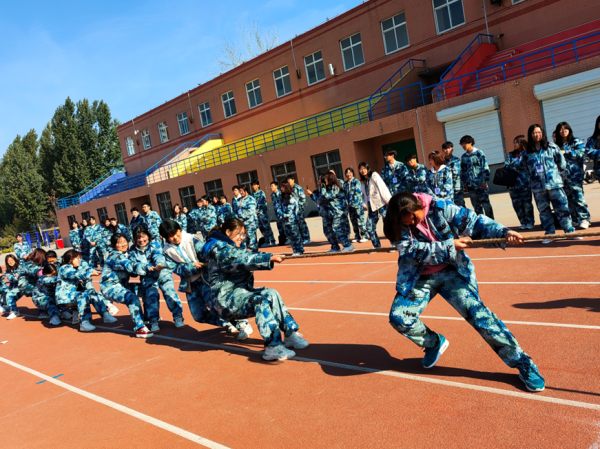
column 295, row 341
column 75, row 318
column 179, row 323
column 112, row 309
column 584, row 224
column 55, row 320
column 546, row 241
column 154, row 328
column 230, row 328
column 575, row 238
column 108, row 318
column 363, row 240
column 86, row 326
column 143, row 332
column 245, row 331
column 279, row 352
column 2, row 309
column 66, row 315
column 13, row 315
column 353, row 240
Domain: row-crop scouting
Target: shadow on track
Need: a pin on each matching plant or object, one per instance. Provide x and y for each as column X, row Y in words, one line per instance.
column 589, row 304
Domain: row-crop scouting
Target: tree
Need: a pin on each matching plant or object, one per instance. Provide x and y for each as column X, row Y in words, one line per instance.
column 250, row 43
column 108, row 139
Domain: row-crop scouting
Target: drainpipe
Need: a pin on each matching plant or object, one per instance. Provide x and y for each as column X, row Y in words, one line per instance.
column 420, row 137
column 487, row 29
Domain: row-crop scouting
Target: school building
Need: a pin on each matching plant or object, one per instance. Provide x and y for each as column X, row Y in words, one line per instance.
column 399, row 74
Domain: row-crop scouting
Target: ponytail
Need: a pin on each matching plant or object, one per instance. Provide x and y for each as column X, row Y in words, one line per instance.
column 231, row 225
column 400, row 205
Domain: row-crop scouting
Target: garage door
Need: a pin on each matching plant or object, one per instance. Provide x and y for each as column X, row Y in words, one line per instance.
column 481, row 120
column 573, row 99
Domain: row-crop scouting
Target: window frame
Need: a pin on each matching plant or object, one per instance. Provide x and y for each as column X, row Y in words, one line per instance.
column 251, row 178
column 130, row 148
column 102, row 215
column 284, row 176
column 163, row 129
column 447, row 5
column 281, row 77
column 229, row 100
column 165, row 214
column 146, row 135
column 203, row 112
column 394, row 30
column 119, row 211
column 314, row 63
column 71, row 219
column 180, row 121
column 351, row 47
column 516, row 2
column 86, row 216
column 185, row 197
column 329, row 164
column 253, row 91
column 214, row 192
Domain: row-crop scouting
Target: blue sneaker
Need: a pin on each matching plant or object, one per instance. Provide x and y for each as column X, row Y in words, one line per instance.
column 432, row 355
column 531, row 376
column 348, row 248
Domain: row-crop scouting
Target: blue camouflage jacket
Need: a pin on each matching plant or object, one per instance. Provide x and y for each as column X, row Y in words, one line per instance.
column 181, row 219
column 136, row 221
column 75, row 238
column 69, row 278
column 574, row 154
column 195, row 219
column 276, row 199
column 149, row 256
column 235, row 206
column 22, row 250
column 353, row 193
column 440, row 184
column 300, row 195
column 337, row 200
column 474, row 169
column 322, row 203
column 93, row 234
column 118, row 269
column 447, row 221
column 261, row 202
column 153, row 221
column 545, row 168
column 454, row 163
column 513, row 163
column 28, row 276
column 224, row 213
column 395, row 177
column 592, row 151
column 247, row 211
column 290, row 209
column 46, row 286
column 122, row 229
column 417, row 179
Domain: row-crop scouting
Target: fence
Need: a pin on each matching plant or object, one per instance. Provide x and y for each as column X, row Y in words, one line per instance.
column 46, row 238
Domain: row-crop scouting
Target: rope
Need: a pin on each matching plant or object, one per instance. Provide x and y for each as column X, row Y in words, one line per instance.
column 390, row 249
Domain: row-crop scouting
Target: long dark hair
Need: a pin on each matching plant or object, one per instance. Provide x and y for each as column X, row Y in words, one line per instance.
column 231, row 225
column 142, row 229
column 559, row 138
column 67, row 258
column 15, row 259
column 332, row 180
column 531, row 143
column 286, row 191
column 400, row 205
column 177, row 206
column 596, row 134
column 522, row 141
column 369, row 172
column 37, row 256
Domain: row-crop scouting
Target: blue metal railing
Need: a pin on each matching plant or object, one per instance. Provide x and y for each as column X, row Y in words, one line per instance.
column 93, row 184
column 180, row 149
column 479, row 39
column 410, row 63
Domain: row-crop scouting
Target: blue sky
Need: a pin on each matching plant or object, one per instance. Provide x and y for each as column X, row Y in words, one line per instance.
column 134, row 55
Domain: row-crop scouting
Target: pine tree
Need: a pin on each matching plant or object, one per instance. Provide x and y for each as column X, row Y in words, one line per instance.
column 47, row 158
column 108, row 139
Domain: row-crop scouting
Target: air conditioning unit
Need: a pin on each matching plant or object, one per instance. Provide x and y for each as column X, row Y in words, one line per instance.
column 496, row 2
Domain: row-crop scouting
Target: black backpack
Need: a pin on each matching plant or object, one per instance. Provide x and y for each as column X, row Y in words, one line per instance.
column 504, row 177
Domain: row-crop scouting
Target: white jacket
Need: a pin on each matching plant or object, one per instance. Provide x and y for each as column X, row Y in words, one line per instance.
column 379, row 194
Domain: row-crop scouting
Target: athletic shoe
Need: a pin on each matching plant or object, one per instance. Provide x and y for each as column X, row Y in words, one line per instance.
column 297, row 254
column 75, row 318
column 295, row 341
column 279, row 352
column 43, row 315
column 334, row 250
column 86, row 326
column 179, row 322
column 66, row 315
column 432, row 355
column 531, row 376
column 584, row 224
column 288, row 242
column 353, row 240
column 55, row 320
column 546, row 241
column 264, row 245
column 143, row 332
column 522, row 227
column 574, row 238
column 348, row 248
column 2, row 310
column 108, row 318
column 112, row 309
column 363, row 240
column 13, row 315
column 245, row 331
column 154, row 327
column 230, row 328
column 531, row 226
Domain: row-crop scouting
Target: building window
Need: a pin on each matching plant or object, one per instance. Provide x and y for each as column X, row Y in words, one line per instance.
column 254, row 96
column 282, row 171
column 324, row 162
column 448, row 14
column 205, row 116
column 228, row 104
column 244, row 179
column 214, row 188
column 71, row 219
column 188, row 197
column 85, row 216
column 164, row 205
column 146, row 139
column 315, row 71
column 516, row 1
column 121, row 212
column 184, row 127
column 130, row 147
column 283, row 86
column 102, row 215
column 395, row 33
column 352, row 52
column 162, row 131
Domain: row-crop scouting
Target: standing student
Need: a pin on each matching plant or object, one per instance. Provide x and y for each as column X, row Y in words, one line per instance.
column 13, row 293
column 152, row 220
column 432, row 260
column 93, row 235
column 136, row 218
column 276, row 199
column 353, row 194
column 237, row 197
column 180, row 217
column 195, row 218
column 231, row 278
column 592, row 148
column 247, row 213
column 115, row 226
column 44, row 294
column 208, row 216
column 520, row 194
column 75, row 236
column 454, row 164
column 224, row 210
column 544, row 163
column 289, row 216
column 417, row 175
column 301, row 197
column 324, row 212
column 439, row 177
column 574, row 151
column 263, row 214
column 3, row 293
column 376, row 196
column 394, row 173
column 475, row 174
column 22, row 249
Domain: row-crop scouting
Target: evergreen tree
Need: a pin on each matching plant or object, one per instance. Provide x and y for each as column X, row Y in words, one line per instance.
column 47, row 158
column 108, row 139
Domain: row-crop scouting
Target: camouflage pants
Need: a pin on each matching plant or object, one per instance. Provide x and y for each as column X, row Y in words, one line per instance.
column 522, row 204
column 152, row 286
column 292, row 232
column 200, row 305
column 46, row 303
column 120, row 294
column 561, row 208
column 83, row 301
column 12, row 296
column 98, row 256
column 341, row 227
column 578, row 208
column 459, row 198
column 265, row 228
column 480, row 198
column 251, row 240
column 280, row 227
column 372, row 220
column 357, row 217
column 302, row 224
column 329, row 234
column 464, row 297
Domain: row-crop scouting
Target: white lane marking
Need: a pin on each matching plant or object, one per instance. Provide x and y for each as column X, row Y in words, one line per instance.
column 452, row 318
column 447, row 383
column 269, row 281
column 149, row 419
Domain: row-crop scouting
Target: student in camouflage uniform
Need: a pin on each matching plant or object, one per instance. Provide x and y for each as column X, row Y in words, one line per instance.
column 353, row 194
column 231, row 278
column 592, row 148
column 4, row 289
column 574, row 152
column 180, row 217
column 454, row 164
column 12, row 294
column 439, row 177
column 195, row 219
column 545, row 163
column 136, row 219
column 417, row 175
column 520, row 194
column 394, row 173
column 289, row 216
column 29, row 269
column 21, row 249
column 103, row 236
column 75, row 236
column 158, row 278
column 208, row 216
column 93, row 235
column 263, row 215
column 324, row 213
column 475, row 174
column 276, row 199
column 121, row 229
column 432, row 260
column 375, row 198
column 152, row 220
column 224, row 211
column 44, row 294
column 115, row 285
column 301, row 198
column 237, row 197
column 247, row 213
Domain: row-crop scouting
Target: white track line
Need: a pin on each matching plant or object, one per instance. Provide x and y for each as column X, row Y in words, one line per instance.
column 451, row 318
column 269, row 281
column 149, row 419
column 447, row 383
